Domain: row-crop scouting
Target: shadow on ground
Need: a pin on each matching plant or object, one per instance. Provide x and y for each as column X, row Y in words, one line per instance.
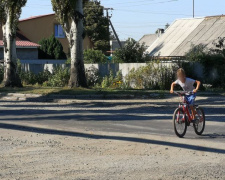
column 107, row 137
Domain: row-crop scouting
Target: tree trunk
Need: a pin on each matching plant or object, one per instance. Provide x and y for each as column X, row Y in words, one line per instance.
column 77, row 74
column 11, row 78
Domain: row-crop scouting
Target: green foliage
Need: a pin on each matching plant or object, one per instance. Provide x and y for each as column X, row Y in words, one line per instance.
column 112, row 81
column 153, row 76
column 13, row 9
column 51, row 48
column 97, row 25
column 93, row 76
column 60, row 77
column 94, row 56
column 1, row 73
column 65, row 11
column 108, row 80
column 213, row 61
column 196, row 53
column 132, row 52
column 29, row 78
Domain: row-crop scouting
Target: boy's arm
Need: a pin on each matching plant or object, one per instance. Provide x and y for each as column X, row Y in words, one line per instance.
column 172, row 87
column 197, row 87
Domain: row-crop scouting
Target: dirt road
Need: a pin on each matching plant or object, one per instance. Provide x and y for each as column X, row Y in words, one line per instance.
column 103, row 140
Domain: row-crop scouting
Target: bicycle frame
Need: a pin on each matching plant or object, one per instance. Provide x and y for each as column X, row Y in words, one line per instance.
column 185, row 106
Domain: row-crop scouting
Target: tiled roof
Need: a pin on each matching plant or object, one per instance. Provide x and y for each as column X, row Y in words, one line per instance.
column 35, row 17
column 23, row 44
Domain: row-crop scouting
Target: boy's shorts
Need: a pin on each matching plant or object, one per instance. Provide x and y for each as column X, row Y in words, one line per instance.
column 191, row 98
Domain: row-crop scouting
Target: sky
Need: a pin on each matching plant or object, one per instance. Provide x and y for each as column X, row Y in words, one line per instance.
column 135, row 18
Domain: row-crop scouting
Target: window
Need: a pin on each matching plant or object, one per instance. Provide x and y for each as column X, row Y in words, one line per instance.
column 59, row 33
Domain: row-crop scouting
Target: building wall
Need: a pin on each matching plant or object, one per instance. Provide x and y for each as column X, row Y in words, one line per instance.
column 115, row 45
column 23, row 53
column 43, row 27
column 27, row 53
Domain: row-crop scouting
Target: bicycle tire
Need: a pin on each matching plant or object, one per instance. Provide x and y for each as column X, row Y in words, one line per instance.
column 203, row 121
column 179, row 134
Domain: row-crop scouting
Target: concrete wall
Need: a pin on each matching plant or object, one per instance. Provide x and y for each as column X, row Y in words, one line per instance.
column 37, row 66
column 104, row 69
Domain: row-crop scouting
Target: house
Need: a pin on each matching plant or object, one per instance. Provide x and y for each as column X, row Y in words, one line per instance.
column 148, row 39
column 179, row 38
column 38, row 27
column 25, row 48
column 115, row 45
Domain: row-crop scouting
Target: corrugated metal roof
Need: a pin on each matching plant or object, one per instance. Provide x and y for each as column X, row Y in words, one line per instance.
column 22, row 44
column 148, row 39
column 174, row 36
column 184, row 33
column 207, row 32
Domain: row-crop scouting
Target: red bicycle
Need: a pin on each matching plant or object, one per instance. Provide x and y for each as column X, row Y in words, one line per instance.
column 182, row 117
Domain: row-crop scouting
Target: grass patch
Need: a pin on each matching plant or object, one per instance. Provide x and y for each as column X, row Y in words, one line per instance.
column 96, row 91
column 80, row 91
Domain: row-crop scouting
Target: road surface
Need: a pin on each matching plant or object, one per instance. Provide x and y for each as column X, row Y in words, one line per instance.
column 138, row 121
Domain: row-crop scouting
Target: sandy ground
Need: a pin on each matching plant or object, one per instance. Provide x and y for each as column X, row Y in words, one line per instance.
column 79, row 154
column 27, row 155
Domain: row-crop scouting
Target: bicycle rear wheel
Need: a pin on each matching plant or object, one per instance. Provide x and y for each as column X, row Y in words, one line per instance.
column 199, row 125
column 180, row 123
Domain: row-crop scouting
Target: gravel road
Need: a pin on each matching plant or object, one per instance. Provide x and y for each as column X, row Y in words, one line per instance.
column 108, row 139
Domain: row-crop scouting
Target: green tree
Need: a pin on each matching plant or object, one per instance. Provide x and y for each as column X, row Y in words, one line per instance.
column 10, row 11
column 94, row 56
column 97, row 25
column 51, row 48
column 132, row 52
column 70, row 15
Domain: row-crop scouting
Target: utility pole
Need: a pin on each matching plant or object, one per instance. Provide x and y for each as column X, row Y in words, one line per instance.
column 110, row 22
column 193, row 8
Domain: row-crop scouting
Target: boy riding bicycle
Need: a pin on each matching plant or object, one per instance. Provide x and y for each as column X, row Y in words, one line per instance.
column 187, row 84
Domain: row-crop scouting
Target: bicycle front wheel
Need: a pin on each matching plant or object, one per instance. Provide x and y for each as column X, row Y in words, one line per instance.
column 199, row 125
column 179, row 122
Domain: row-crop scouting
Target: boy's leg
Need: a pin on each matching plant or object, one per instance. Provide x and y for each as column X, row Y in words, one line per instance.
column 191, row 101
column 193, row 112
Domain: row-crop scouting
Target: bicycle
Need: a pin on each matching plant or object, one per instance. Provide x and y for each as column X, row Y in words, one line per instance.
column 182, row 117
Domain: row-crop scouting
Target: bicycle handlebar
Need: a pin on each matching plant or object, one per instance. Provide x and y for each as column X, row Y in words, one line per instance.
column 181, row 93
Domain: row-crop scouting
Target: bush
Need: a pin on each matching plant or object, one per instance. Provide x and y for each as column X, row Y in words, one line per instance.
column 93, row 77
column 51, row 48
column 1, row 73
column 112, row 81
column 132, row 52
column 213, row 62
column 153, row 76
column 60, row 77
column 92, row 56
column 29, row 78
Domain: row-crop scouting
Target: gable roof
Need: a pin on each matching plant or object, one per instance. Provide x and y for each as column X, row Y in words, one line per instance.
column 27, row 44
column 148, row 39
column 22, row 41
column 183, row 33
column 35, row 17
